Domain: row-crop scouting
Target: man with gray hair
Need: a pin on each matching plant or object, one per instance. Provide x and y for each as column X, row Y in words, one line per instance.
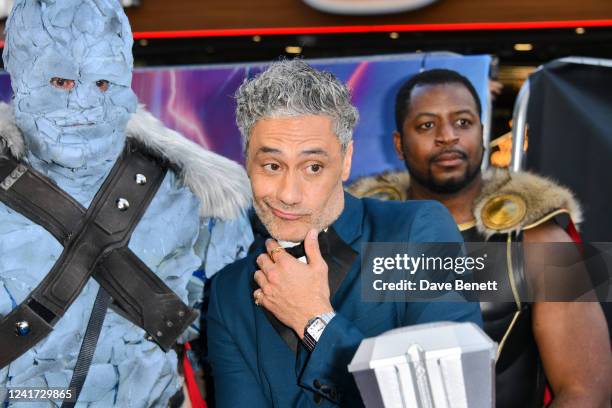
column 101, row 207
column 284, row 322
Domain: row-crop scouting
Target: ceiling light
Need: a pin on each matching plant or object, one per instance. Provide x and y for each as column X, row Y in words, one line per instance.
column 523, row 47
column 293, row 49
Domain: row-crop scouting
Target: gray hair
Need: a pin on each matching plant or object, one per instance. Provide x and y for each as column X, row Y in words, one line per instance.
column 294, row 88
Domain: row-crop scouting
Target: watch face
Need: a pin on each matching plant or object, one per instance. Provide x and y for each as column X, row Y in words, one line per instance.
column 316, row 328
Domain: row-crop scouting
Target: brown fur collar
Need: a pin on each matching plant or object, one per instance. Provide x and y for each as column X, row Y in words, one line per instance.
column 542, row 196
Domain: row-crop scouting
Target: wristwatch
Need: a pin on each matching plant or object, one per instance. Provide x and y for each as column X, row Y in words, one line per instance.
column 314, row 329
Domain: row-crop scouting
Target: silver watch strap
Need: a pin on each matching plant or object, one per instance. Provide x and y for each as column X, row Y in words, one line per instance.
column 308, row 340
column 326, row 317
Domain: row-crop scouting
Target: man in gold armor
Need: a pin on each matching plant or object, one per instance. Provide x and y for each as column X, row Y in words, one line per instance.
column 439, row 137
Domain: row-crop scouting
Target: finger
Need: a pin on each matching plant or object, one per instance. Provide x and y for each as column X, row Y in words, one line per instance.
column 311, row 246
column 261, row 279
column 264, row 262
column 263, row 301
column 258, row 296
column 275, row 254
column 260, row 299
column 271, row 244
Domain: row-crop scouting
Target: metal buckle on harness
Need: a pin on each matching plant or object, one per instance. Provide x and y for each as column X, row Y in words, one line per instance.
column 15, row 175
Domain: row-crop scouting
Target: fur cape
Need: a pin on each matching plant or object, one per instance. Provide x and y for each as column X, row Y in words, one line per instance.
column 221, row 184
column 543, row 197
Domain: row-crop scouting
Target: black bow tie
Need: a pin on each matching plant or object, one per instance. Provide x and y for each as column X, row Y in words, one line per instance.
column 299, row 251
column 327, row 239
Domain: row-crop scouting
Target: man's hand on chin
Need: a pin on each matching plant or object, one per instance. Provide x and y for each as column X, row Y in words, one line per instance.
column 293, row 291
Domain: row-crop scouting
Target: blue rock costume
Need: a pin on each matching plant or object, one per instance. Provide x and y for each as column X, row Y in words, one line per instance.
column 70, row 64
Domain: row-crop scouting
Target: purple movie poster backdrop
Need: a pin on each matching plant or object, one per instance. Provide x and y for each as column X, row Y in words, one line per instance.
column 198, row 101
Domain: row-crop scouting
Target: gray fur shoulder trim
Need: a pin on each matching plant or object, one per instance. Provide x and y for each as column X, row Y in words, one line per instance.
column 221, row 184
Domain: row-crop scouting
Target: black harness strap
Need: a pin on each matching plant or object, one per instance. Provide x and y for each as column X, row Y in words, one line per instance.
column 38, row 199
column 88, row 347
column 140, row 296
column 143, row 298
column 95, row 242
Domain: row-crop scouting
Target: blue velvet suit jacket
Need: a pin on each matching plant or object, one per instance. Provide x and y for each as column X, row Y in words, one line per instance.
column 253, row 366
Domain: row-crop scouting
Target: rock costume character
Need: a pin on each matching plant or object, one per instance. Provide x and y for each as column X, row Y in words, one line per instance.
column 73, row 117
column 509, row 204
